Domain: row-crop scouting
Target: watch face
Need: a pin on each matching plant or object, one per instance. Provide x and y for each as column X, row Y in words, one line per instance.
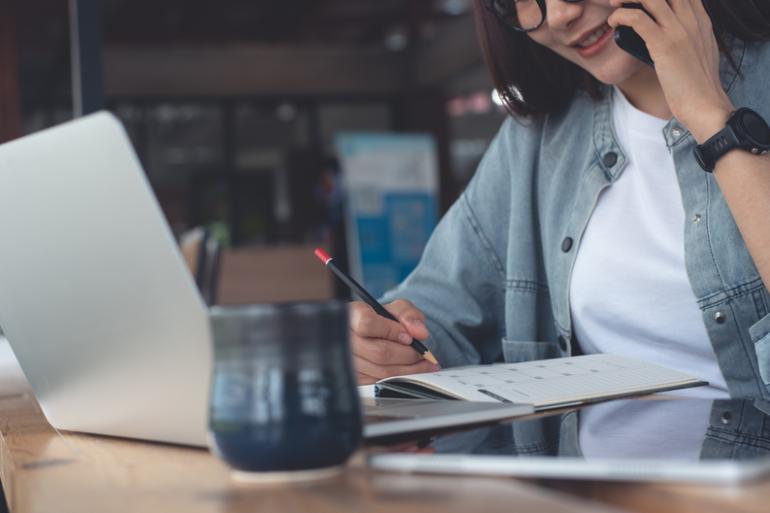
column 756, row 128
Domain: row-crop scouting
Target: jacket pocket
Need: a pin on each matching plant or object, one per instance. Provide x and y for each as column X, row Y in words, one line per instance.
column 760, row 334
column 524, row 351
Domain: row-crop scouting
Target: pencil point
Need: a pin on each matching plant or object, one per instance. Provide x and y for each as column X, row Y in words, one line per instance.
column 429, row 356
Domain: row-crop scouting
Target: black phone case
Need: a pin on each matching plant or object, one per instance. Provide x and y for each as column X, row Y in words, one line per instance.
column 627, row 39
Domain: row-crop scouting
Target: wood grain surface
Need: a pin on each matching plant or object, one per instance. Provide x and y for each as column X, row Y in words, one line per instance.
column 43, row 470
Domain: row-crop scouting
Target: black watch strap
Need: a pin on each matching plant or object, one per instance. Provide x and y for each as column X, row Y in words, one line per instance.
column 709, row 152
column 744, row 129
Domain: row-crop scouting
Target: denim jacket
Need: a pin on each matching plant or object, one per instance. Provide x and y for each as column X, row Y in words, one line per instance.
column 494, row 278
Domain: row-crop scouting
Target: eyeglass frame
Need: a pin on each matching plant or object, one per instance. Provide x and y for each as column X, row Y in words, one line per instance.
column 494, row 7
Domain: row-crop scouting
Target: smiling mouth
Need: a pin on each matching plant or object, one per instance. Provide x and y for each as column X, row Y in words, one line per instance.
column 593, row 37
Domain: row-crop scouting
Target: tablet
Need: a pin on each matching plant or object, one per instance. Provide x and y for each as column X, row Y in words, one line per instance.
column 720, row 441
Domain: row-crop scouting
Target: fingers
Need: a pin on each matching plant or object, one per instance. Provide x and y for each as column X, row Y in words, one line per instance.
column 637, row 20
column 684, row 12
column 411, row 317
column 384, row 351
column 651, row 6
column 381, row 347
column 702, row 18
column 377, row 372
column 699, row 8
column 365, row 322
column 672, row 14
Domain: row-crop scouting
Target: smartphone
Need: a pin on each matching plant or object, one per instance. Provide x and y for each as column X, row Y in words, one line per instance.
column 627, row 39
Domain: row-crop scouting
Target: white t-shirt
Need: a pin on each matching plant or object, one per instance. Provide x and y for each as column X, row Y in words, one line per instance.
column 630, row 294
column 644, row 429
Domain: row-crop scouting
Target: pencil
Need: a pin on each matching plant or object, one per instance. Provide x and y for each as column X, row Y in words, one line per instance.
column 369, row 300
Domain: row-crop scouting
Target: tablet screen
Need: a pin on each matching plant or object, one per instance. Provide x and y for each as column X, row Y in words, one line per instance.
column 632, row 438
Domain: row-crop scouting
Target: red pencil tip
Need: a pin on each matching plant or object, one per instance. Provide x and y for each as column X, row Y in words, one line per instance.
column 322, row 255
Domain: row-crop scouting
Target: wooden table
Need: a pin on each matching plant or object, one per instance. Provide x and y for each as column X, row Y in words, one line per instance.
column 46, row 471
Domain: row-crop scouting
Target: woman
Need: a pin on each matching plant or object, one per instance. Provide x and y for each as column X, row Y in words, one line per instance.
column 590, row 225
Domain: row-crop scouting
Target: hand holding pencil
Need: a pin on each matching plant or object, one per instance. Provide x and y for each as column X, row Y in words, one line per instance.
column 385, row 340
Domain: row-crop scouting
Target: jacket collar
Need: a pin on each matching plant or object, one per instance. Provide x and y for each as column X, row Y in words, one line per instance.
column 605, row 140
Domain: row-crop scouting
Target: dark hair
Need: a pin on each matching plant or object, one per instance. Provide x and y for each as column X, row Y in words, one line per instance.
column 533, row 80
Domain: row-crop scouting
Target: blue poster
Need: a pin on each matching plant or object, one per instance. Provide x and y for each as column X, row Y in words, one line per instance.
column 390, row 183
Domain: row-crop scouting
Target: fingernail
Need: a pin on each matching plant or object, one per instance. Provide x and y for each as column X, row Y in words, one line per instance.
column 436, row 368
column 405, row 338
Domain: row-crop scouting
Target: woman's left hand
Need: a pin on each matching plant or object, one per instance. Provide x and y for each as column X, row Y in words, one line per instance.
column 681, row 42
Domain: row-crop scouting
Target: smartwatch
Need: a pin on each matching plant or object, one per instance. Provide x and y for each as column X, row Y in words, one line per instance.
column 745, row 129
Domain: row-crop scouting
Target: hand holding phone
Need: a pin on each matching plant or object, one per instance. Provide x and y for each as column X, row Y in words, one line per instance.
column 627, row 39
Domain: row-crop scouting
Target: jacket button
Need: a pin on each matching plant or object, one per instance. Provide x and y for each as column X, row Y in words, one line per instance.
column 726, row 417
column 563, row 344
column 566, row 244
column 720, row 317
column 610, row 159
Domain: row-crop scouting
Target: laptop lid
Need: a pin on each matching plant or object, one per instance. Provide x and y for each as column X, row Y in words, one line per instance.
column 95, row 299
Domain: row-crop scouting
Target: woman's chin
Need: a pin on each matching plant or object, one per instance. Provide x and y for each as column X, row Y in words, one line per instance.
column 618, row 70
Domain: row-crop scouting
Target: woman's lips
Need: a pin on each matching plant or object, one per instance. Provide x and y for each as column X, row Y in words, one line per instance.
column 597, row 46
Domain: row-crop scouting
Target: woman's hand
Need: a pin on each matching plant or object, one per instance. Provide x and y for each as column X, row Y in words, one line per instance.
column 681, row 42
column 381, row 347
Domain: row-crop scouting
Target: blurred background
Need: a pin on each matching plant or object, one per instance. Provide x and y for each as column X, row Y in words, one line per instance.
column 248, row 117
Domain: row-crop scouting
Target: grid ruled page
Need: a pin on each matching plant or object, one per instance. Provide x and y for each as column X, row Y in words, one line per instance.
column 557, row 381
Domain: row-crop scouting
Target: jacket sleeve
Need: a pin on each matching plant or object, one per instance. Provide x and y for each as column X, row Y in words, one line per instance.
column 459, row 282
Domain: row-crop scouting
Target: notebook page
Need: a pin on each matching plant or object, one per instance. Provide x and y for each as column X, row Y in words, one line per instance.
column 556, row 381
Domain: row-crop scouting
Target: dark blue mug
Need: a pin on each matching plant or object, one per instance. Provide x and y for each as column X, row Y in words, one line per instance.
column 284, row 398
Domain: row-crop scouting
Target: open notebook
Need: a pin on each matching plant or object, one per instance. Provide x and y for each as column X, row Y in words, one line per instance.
column 545, row 384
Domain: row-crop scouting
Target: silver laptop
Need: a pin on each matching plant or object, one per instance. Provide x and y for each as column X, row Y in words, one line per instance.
column 95, row 299
column 97, row 303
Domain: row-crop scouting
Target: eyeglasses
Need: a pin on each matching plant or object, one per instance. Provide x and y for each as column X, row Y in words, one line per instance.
column 520, row 15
